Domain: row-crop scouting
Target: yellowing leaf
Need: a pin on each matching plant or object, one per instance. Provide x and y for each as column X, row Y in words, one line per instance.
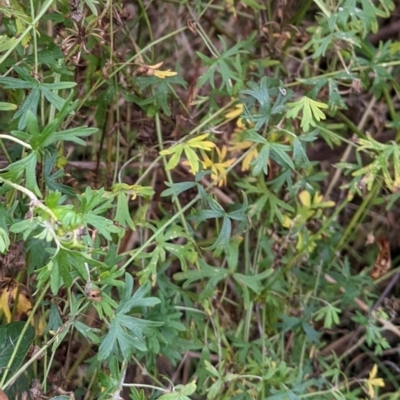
column 156, row 66
column 220, row 167
column 318, row 201
column 199, row 142
column 239, row 144
column 151, row 70
column 236, row 112
column 22, row 20
column 175, row 151
column 14, row 300
column 373, row 381
column 250, row 156
column 287, row 221
column 305, row 198
column 192, row 159
column 7, row 106
column 318, row 198
column 164, row 74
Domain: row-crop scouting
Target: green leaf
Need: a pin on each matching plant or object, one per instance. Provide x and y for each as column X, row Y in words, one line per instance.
column 253, row 282
column 299, row 154
column 311, row 111
column 161, row 89
column 211, row 369
column 55, row 277
column 126, row 333
column 260, row 163
column 223, row 236
column 181, row 392
column 105, row 226
column 53, row 98
column 30, row 104
column 6, row 43
column 175, row 189
column 311, row 333
column 9, row 335
column 122, row 214
column 330, row 314
column 138, row 299
column 7, row 106
column 71, row 135
column 4, row 240
column 55, row 320
column 14, row 83
column 26, row 166
column 25, row 227
column 32, row 125
column 59, row 85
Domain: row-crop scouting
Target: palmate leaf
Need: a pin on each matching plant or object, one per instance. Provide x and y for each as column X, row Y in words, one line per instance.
column 198, row 142
column 53, row 179
column 311, row 110
column 32, row 99
column 225, row 63
column 53, row 98
column 175, row 189
column 161, row 89
column 39, row 139
column 25, row 167
column 72, row 135
column 15, row 83
column 253, row 283
column 103, row 225
column 181, row 392
column 127, row 333
column 211, row 274
column 265, row 100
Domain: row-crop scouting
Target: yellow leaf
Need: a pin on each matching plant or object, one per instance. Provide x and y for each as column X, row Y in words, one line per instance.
column 198, row 138
column 218, row 168
column 373, row 381
column 236, row 112
column 156, row 66
column 305, row 198
column 318, row 198
column 377, row 382
column 199, row 142
column 287, row 222
column 14, row 301
column 373, row 372
column 62, row 162
column 250, row 156
column 164, row 74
